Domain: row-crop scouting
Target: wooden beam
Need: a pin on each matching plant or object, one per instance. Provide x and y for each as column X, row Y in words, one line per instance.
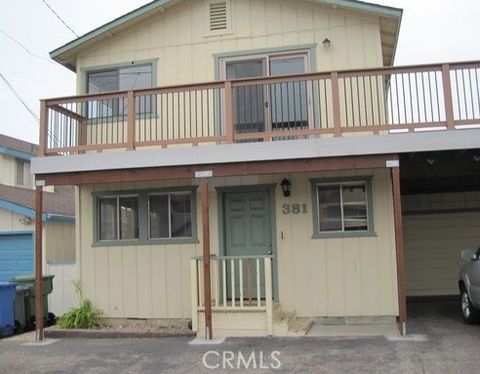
column 38, row 263
column 206, row 257
column 68, row 113
column 218, row 170
column 397, row 212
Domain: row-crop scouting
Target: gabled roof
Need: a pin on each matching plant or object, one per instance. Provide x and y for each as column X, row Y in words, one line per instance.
column 390, row 16
column 17, row 148
column 56, row 205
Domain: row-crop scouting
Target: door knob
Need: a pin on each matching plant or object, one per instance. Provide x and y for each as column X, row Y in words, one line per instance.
column 269, row 252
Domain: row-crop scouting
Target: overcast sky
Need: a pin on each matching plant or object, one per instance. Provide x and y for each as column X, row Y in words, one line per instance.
column 431, row 31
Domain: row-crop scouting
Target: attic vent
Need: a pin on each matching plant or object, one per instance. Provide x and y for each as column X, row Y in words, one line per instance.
column 217, row 15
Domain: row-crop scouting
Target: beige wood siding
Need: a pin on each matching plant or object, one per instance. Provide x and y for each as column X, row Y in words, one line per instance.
column 60, row 242
column 433, row 242
column 10, row 221
column 185, row 51
column 338, row 276
column 145, row 281
column 317, row 277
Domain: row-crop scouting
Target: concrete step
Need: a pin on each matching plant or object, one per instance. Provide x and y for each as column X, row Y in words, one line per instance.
column 288, row 324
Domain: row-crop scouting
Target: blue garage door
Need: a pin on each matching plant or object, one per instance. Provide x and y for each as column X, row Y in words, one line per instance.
column 16, row 255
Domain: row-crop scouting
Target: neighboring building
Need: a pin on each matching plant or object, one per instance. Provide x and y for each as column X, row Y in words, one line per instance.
column 17, row 216
column 285, row 166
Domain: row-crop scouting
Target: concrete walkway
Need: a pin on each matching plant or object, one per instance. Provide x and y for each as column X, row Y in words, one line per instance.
column 318, row 330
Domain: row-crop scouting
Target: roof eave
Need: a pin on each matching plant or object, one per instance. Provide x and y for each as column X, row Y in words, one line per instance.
column 58, row 53
column 397, row 37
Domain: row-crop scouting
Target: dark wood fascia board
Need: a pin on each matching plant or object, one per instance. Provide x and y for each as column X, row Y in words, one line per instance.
column 219, row 170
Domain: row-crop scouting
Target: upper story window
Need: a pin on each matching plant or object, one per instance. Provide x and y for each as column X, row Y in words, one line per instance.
column 342, row 208
column 119, row 79
column 19, row 172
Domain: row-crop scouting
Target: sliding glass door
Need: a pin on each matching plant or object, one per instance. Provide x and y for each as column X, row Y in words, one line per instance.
column 248, row 101
column 289, row 101
column 271, row 106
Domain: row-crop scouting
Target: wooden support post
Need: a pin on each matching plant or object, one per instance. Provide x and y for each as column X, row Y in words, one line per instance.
column 337, row 129
column 206, row 258
column 229, row 111
column 194, row 290
column 38, row 261
column 447, row 96
column 397, row 212
column 42, row 140
column 130, row 121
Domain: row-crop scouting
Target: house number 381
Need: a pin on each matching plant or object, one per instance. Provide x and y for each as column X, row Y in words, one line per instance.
column 294, row 208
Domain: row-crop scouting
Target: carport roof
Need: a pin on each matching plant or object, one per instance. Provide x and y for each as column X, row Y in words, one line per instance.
column 60, row 203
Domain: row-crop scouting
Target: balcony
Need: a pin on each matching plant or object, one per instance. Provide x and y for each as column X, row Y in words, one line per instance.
column 371, row 101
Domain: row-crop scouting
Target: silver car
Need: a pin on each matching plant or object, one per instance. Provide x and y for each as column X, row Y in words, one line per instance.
column 469, row 284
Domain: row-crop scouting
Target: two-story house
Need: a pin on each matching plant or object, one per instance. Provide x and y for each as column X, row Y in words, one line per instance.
column 237, row 162
column 17, row 214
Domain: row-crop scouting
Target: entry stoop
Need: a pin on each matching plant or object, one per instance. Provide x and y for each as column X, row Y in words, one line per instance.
column 288, row 324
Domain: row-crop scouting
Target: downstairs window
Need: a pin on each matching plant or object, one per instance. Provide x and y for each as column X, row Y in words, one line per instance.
column 342, row 208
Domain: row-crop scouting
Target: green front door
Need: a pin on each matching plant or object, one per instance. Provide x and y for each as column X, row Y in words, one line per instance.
column 248, row 232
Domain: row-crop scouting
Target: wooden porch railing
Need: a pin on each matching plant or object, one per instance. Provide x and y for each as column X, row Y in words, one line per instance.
column 380, row 100
column 239, row 283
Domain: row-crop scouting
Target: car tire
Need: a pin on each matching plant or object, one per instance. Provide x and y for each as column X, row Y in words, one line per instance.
column 470, row 314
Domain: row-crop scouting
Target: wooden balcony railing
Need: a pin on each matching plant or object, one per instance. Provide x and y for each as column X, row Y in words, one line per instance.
column 382, row 100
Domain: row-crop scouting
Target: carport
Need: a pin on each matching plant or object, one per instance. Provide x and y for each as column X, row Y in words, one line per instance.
column 441, row 216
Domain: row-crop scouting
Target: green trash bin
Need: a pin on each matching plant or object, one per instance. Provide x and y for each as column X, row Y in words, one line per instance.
column 28, row 281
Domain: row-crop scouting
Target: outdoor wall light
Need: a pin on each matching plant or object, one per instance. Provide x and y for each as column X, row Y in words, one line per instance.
column 327, row 43
column 285, row 187
column 26, row 220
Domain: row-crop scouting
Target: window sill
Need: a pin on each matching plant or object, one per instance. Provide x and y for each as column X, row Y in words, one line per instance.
column 142, row 242
column 341, row 235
